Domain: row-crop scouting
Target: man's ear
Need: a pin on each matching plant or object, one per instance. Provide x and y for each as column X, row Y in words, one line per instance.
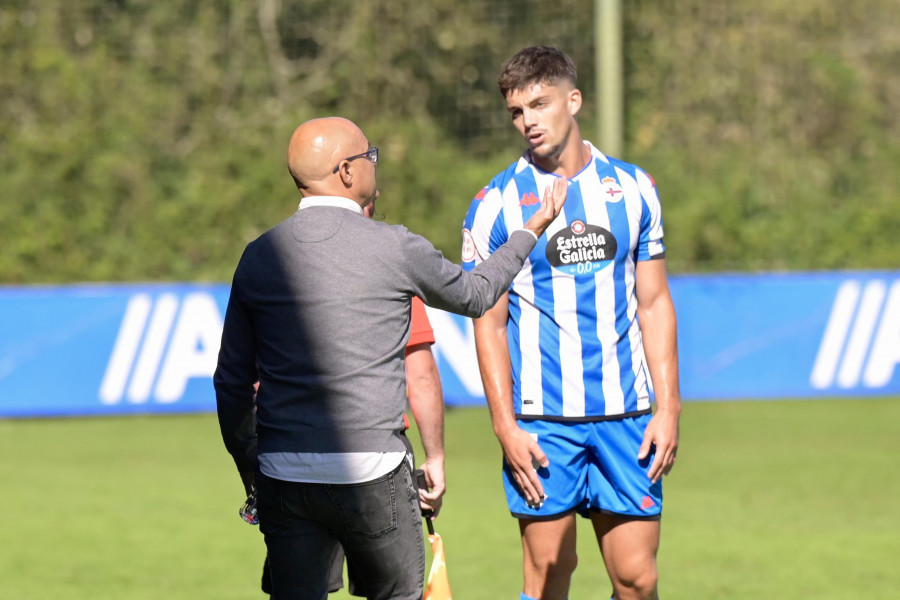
column 574, row 101
column 345, row 173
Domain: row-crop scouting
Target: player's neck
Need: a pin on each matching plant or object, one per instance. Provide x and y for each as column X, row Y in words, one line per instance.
column 575, row 155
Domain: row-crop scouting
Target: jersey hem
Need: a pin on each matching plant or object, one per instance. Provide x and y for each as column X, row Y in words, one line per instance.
column 585, row 419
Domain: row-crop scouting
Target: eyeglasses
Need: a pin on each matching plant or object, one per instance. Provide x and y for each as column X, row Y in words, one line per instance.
column 371, row 154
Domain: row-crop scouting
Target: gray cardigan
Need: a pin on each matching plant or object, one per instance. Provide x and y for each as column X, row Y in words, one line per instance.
column 319, row 314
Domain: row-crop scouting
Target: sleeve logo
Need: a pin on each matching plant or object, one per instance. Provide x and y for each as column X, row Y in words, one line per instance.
column 468, row 246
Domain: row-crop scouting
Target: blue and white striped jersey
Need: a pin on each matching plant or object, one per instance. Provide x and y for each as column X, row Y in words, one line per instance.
column 574, row 339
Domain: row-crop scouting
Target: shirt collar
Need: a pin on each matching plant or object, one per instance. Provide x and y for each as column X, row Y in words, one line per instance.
column 337, row 201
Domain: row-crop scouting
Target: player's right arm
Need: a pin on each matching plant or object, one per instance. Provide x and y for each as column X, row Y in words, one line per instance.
column 520, row 450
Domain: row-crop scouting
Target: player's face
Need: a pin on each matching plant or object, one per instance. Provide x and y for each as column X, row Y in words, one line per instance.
column 545, row 116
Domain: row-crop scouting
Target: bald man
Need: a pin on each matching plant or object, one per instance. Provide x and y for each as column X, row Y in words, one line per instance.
column 319, row 313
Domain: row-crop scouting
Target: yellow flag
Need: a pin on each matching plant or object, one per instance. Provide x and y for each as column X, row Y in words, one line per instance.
column 438, row 587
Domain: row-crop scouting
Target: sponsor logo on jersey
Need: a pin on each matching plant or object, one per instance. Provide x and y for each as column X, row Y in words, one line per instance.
column 581, row 248
column 468, row 246
column 612, row 191
column 529, row 199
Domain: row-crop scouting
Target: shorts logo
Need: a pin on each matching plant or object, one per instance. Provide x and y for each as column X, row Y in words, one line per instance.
column 581, row 248
column 468, row 246
column 647, row 503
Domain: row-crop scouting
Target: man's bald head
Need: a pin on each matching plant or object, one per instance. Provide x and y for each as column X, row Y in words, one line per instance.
column 316, row 147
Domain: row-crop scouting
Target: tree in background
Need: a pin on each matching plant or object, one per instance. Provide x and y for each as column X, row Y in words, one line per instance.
column 772, row 127
column 146, row 140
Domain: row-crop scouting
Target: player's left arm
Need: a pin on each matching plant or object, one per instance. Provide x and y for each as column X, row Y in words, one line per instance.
column 656, row 315
column 426, row 400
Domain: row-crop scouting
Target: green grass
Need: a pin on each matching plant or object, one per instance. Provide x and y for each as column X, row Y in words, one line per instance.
column 789, row 499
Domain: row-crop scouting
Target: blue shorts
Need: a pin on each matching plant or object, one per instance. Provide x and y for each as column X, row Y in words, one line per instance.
column 593, row 467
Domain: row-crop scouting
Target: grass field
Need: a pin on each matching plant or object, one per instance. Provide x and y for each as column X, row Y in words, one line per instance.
column 788, row 499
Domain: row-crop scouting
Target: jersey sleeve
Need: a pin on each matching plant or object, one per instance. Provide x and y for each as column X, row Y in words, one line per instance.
column 420, row 331
column 650, row 242
column 482, row 231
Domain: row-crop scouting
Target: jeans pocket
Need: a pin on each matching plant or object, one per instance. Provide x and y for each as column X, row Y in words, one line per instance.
column 274, row 517
column 370, row 508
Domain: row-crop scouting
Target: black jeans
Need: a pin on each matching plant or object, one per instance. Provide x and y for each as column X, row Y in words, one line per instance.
column 378, row 523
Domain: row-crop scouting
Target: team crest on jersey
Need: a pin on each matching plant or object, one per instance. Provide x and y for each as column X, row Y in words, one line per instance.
column 581, row 248
column 612, row 191
column 468, row 246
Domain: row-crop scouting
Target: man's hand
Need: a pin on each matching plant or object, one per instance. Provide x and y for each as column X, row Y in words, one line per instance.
column 662, row 431
column 249, row 480
column 551, row 205
column 434, row 479
column 524, row 456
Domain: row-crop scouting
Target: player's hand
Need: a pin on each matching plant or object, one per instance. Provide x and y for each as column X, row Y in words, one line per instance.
column 662, row 432
column 551, row 205
column 524, row 456
column 432, row 499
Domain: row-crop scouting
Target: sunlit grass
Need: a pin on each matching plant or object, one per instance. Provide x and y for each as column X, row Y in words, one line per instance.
column 786, row 499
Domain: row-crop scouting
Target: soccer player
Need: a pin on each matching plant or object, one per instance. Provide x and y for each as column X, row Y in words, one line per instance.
column 564, row 355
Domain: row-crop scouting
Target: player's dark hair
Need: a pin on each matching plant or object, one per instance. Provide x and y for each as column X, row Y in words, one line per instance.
column 533, row 65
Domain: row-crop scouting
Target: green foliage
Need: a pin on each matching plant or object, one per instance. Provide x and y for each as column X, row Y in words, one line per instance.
column 770, row 130
column 126, row 158
column 145, row 140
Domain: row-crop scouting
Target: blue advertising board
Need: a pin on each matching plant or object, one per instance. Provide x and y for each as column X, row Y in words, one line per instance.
column 796, row 335
column 80, row 350
column 141, row 348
